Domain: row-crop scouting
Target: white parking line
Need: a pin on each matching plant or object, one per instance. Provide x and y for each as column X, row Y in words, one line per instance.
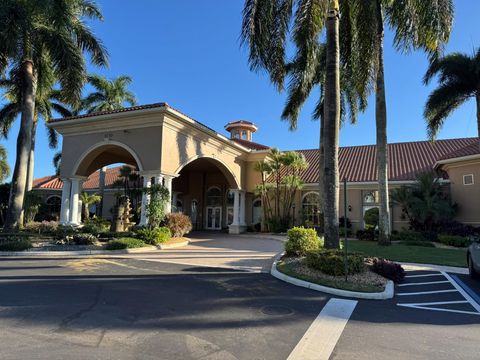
column 418, row 306
column 467, row 297
column 321, row 337
column 426, row 283
column 422, row 275
column 426, row 292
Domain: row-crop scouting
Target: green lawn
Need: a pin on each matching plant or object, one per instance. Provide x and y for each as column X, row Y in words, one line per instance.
column 414, row 254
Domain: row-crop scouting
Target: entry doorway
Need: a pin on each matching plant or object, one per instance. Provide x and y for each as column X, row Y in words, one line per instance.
column 214, row 218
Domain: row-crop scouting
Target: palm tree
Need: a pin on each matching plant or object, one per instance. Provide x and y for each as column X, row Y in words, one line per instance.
column 37, row 36
column 109, row 94
column 265, row 27
column 88, row 200
column 47, row 100
column 4, row 168
column 422, row 25
column 459, row 81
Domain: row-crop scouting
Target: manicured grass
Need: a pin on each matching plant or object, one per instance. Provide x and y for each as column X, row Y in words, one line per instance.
column 414, row 254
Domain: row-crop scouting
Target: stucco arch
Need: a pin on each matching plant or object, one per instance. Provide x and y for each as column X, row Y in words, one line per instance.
column 105, row 153
column 219, row 163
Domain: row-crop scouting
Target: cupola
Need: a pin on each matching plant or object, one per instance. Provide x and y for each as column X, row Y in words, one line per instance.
column 241, row 129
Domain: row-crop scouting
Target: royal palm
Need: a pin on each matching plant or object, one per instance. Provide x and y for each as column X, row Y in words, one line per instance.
column 34, row 34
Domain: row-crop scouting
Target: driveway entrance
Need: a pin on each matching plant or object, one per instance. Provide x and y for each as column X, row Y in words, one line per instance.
column 216, row 249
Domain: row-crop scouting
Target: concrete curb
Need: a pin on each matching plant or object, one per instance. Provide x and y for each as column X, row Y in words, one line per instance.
column 388, row 293
column 75, row 253
column 173, row 246
column 450, row 269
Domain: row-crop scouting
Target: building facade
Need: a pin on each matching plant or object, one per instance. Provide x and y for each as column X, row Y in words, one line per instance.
column 211, row 176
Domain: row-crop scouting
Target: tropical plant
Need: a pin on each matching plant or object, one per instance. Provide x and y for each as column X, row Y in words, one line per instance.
column 280, row 181
column 159, row 196
column 33, row 201
column 424, row 25
column 4, row 167
column 424, row 203
column 179, row 224
column 87, row 200
column 47, row 101
column 109, row 94
column 57, row 162
column 459, row 81
column 36, row 37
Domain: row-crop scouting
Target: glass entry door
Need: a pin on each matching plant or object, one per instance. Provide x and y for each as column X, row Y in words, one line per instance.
column 214, row 218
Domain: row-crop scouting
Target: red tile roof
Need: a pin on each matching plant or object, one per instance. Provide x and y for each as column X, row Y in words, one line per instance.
column 358, row 163
column 54, row 182
column 250, row 144
column 472, row 149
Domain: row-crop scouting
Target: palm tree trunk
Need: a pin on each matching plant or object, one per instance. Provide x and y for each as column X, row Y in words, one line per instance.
column 321, row 164
column 331, row 129
column 19, row 178
column 382, row 147
column 31, row 166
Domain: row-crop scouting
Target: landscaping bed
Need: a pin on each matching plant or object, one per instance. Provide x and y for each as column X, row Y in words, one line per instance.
column 366, row 281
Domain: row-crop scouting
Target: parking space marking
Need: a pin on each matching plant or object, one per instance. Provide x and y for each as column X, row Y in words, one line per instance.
column 426, row 283
column 422, row 275
column 472, row 302
column 431, row 305
column 322, row 336
column 427, row 292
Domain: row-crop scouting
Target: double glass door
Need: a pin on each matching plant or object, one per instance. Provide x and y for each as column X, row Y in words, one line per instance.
column 214, row 218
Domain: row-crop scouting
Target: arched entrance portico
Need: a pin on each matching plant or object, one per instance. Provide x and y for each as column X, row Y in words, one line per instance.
column 210, row 195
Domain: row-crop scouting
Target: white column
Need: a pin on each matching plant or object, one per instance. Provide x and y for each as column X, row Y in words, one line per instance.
column 236, row 207
column 147, row 182
column 75, row 192
column 65, row 210
column 168, row 185
column 242, row 208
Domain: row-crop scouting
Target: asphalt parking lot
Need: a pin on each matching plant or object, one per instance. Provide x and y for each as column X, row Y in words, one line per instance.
column 128, row 308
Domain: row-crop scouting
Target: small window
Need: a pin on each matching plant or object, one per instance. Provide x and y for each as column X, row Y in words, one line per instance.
column 244, row 135
column 468, row 179
column 236, row 134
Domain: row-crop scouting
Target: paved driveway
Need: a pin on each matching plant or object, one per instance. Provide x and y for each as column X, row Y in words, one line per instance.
column 243, row 252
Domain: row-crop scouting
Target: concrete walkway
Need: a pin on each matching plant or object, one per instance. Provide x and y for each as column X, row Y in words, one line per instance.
column 253, row 253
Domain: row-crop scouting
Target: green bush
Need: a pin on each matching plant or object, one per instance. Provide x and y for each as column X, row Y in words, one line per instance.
column 115, row 235
column 331, row 262
column 15, row 243
column 96, row 226
column 154, row 236
column 454, row 240
column 341, row 232
column 300, row 240
column 371, row 218
column 84, row 239
column 64, row 231
column 366, row 234
column 179, row 224
column 407, row 236
column 124, row 243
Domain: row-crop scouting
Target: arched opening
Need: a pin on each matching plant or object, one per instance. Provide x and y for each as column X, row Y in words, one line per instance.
column 311, row 209
column 205, row 186
column 111, row 171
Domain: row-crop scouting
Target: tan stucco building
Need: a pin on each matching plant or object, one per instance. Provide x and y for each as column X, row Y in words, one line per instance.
column 211, row 176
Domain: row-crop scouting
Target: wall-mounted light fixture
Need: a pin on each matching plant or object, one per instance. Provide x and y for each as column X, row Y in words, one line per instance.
column 350, row 208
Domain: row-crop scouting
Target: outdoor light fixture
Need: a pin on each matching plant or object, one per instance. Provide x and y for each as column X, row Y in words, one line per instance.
column 350, row 208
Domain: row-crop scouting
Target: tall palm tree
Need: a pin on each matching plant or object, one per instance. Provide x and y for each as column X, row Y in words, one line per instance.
column 4, row 168
column 87, row 200
column 265, row 28
column 416, row 24
column 39, row 35
column 459, row 81
column 47, row 101
column 109, row 94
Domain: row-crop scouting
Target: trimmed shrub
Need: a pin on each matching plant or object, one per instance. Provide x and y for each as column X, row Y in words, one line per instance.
column 44, row 227
column 452, row 227
column 341, row 232
column 96, row 226
column 367, row 234
column 454, row 240
column 124, row 243
column 371, row 218
column 341, row 223
column 331, row 262
column 154, row 236
column 15, row 243
column 115, row 235
column 179, row 224
column 84, row 239
column 301, row 240
column 407, row 236
column 388, row 269
column 64, row 231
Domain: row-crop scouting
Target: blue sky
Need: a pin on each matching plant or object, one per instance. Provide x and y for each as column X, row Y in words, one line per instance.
column 187, row 53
